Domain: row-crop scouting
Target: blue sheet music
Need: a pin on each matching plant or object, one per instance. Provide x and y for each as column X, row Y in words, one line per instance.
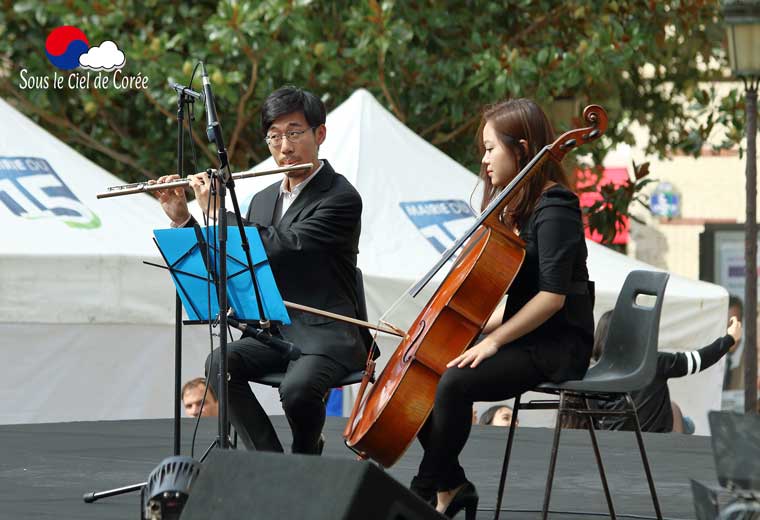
column 186, row 260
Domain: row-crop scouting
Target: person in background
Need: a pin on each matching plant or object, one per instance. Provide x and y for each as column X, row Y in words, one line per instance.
column 498, row 415
column 653, row 406
column 192, row 399
column 734, row 375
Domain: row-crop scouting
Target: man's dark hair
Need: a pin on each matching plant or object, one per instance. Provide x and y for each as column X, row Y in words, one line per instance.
column 735, row 301
column 289, row 99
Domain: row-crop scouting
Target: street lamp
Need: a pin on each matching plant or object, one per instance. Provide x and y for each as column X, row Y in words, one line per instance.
column 743, row 30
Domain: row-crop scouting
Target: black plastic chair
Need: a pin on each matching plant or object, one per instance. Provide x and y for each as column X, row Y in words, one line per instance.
column 275, row 379
column 628, row 363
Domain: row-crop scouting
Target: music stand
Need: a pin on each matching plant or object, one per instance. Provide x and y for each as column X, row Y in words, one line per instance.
column 185, row 251
column 190, row 260
column 187, row 255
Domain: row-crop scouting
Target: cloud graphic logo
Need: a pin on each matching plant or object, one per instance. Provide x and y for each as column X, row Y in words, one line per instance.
column 105, row 57
column 64, row 46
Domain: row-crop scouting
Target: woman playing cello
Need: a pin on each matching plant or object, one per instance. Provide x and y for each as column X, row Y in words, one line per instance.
column 545, row 330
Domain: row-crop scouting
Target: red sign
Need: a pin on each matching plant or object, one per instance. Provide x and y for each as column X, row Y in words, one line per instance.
column 617, row 176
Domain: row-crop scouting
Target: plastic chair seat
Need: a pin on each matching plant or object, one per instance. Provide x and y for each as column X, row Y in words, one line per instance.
column 599, row 379
column 275, row 379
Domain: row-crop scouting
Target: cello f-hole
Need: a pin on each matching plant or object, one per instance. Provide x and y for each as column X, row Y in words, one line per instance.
column 420, row 328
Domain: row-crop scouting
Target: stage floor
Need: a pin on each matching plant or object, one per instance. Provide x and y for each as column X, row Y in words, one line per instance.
column 45, row 468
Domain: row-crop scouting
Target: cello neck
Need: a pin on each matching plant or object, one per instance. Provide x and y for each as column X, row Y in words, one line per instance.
column 491, row 217
column 594, row 115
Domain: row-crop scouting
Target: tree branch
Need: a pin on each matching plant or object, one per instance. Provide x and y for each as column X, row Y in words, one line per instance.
column 386, row 92
column 196, row 137
column 106, row 114
column 539, row 23
column 432, row 128
column 75, row 133
column 248, row 150
column 458, row 130
column 377, row 20
column 242, row 118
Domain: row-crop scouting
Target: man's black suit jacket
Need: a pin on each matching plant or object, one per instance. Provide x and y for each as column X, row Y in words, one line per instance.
column 312, row 251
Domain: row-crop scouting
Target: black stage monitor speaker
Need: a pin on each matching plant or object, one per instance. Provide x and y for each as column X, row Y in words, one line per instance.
column 270, row 486
column 705, row 501
column 736, row 448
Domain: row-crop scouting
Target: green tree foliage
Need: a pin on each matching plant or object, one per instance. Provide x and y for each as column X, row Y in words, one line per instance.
column 609, row 214
column 433, row 64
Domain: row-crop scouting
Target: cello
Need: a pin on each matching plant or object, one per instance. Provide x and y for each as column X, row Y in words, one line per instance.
column 387, row 416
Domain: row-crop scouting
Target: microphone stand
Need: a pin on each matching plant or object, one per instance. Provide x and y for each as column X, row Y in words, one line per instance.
column 222, row 181
column 185, row 96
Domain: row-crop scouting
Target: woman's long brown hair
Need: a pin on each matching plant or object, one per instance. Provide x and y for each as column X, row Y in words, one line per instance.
column 514, row 120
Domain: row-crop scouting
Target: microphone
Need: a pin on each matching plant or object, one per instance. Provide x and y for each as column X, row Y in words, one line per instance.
column 286, row 348
column 211, row 118
column 181, row 89
column 213, row 127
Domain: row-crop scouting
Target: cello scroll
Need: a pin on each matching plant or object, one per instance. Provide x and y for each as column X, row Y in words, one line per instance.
column 596, row 117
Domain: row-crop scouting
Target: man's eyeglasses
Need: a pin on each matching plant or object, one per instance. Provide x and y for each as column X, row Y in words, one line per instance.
column 293, row 136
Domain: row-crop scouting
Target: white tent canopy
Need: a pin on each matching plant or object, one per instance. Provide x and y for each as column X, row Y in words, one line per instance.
column 393, row 169
column 50, row 214
column 86, row 328
column 81, row 317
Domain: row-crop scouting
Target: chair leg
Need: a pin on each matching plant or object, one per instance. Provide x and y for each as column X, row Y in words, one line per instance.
column 642, row 450
column 508, row 452
column 599, row 464
column 553, row 460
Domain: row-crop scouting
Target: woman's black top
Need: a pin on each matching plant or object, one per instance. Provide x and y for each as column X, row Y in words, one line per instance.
column 555, row 261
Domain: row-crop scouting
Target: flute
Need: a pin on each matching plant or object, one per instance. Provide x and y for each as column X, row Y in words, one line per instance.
column 144, row 187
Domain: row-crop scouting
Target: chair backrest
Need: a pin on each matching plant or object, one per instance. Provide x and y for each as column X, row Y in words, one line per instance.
column 735, row 441
column 631, row 346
